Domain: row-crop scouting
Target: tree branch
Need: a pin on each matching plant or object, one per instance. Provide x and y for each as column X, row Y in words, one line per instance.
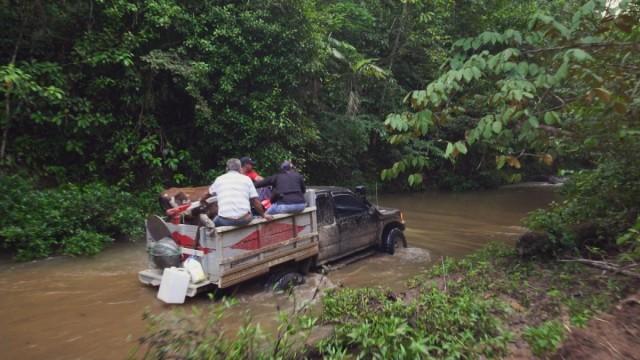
column 584, row 46
column 605, row 266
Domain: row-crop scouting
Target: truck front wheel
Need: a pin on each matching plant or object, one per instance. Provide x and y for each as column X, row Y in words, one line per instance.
column 394, row 238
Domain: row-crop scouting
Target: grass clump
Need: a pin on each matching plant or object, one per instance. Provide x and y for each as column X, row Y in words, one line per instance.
column 376, row 323
column 545, row 338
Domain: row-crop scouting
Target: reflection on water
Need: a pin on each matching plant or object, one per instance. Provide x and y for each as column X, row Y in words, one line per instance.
column 65, row 308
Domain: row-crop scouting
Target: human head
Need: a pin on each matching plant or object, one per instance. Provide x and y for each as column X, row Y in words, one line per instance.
column 233, row 164
column 286, row 165
column 247, row 163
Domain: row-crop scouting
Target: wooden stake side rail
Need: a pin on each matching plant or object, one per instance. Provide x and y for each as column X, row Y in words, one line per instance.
column 246, row 272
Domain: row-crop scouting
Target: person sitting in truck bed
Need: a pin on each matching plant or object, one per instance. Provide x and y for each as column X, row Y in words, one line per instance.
column 249, row 170
column 236, row 194
column 288, row 189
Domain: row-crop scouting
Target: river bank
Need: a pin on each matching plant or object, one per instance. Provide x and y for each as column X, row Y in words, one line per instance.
column 490, row 304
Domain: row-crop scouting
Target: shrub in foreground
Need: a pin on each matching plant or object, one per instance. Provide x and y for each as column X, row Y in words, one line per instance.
column 201, row 334
column 545, row 338
column 373, row 323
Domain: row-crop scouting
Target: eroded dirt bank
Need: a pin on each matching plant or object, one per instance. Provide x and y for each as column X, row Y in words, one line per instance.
column 613, row 335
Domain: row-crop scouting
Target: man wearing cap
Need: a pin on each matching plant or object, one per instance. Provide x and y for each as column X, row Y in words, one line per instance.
column 288, row 188
column 248, row 170
column 236, row 194
column 264, row 194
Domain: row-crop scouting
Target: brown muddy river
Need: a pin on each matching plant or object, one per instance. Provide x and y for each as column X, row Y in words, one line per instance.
column 66, row 308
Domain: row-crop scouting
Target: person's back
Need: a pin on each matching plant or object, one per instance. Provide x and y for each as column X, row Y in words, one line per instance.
column 233, row 191
column 235, row 194
column 289, row 189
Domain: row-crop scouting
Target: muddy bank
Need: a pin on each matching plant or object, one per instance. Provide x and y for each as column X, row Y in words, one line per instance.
column 613, row 335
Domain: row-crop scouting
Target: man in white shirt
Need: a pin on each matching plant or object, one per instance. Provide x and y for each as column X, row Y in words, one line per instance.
column 236, row 193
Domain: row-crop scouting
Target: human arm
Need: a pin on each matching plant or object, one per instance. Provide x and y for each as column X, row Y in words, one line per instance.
column 302, row 187
column 269, row 181
column 255, row 176
column 255, row 203
column 212, row 192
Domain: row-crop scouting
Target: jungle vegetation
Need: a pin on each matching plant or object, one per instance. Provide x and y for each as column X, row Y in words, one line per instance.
column 122, row 97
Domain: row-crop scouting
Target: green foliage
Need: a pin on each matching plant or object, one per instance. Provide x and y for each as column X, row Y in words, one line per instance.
column 545, row 338
column 153, row 90
column 534, row 93
column 373, row 323
column 199, row 334
column 553, row 223
column 630, row 240
column 607, row 197
column 136, row 93
column 71, row 220
column 458, row 308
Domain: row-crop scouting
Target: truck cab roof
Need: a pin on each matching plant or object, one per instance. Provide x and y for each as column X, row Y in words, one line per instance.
column 328, row 189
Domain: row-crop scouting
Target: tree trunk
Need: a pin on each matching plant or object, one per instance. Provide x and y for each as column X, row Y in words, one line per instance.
column 7, row 101
column 5, row 131
column 395, row 48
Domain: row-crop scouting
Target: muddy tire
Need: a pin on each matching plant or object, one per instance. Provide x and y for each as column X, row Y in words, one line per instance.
column 284, row 280
column 395, row 238
column 304, row 267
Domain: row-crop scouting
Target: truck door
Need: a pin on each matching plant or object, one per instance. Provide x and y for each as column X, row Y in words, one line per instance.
column 356, row 225
column 329, row 239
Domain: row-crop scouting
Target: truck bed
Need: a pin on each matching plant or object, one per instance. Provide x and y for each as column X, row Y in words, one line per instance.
column 232, row 254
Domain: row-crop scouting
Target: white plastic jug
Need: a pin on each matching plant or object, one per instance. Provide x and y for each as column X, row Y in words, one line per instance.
column 194, row 268
column 173, row 286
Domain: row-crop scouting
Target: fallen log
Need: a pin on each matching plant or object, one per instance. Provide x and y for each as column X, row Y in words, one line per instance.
column 605, row 266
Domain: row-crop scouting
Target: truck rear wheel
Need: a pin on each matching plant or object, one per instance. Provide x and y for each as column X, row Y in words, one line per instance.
column 283, row 280
column 395, row 238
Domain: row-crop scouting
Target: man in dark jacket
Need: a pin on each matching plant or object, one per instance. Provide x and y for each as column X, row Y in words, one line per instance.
column 288, row 190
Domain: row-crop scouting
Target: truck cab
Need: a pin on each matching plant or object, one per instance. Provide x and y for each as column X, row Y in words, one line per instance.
column 348, row 223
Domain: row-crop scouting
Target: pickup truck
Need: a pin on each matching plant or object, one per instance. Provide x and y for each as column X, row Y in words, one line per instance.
column 336, row 223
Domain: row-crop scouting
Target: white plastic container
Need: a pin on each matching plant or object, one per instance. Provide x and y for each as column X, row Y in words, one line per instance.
column 194, row 268
column 173, row 286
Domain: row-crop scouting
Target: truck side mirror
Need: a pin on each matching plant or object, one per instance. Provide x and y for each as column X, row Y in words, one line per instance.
column 372, row 210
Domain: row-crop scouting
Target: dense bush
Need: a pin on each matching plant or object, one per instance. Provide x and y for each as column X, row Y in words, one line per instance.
column 608, row 197
column 70, row 220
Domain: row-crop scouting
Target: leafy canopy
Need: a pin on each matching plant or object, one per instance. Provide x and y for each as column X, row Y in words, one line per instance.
column 558, row 88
